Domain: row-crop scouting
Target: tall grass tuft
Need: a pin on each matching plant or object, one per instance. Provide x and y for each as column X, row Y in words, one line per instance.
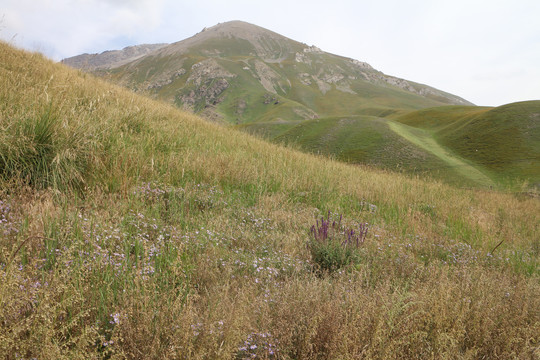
column 41, row 151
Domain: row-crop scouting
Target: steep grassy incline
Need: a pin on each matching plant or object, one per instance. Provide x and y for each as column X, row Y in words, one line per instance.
column 130, row 230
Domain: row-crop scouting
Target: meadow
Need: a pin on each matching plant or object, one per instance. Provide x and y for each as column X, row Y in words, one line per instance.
column 132, row 230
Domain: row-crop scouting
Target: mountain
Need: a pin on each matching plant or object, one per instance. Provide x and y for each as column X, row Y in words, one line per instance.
column 242, row 73
column 288, row 92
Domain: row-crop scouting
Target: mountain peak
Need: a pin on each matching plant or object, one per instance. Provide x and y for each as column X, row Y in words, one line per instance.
column 214, row 68
column 250, row 39
column 236, row 26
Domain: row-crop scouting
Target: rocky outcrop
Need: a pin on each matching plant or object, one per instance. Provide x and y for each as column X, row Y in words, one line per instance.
column 204, row 95
column 267, row 77
column 360, row 65
column 165, row 79
column 306, row 113
column 207, row 69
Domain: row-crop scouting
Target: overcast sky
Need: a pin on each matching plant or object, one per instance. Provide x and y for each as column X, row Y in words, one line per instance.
column 486, row 51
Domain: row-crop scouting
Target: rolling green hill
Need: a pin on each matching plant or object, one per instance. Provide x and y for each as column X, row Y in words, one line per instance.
column 130, row 229
column 463, row 145
column 505, row 141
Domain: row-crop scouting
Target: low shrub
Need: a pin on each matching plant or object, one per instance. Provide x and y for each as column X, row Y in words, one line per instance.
column 333, row 245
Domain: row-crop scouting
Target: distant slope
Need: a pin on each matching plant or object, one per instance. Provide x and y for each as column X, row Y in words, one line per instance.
column 505, row 140
column 464, row 145
column 451, row 164
column 110, row 59
column 375, row 141
column 242, row 73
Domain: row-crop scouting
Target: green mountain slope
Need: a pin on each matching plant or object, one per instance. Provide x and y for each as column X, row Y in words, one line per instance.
column 132, row 230
column 472, row 146
column 377, row 142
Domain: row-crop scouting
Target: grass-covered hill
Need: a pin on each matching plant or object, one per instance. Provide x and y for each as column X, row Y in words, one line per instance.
column 378, row 142
column 462, row 145
column 505, row 141
column 132, row 230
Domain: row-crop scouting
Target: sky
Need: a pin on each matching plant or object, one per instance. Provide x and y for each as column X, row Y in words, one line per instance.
column 486, row 51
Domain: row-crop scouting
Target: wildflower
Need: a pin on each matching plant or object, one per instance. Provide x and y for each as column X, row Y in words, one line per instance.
column 115, row 319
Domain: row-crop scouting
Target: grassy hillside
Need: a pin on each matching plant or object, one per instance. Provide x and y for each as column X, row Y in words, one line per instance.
column 377, row 142
column 461, row 145
column 504, row 140
column 133, row 230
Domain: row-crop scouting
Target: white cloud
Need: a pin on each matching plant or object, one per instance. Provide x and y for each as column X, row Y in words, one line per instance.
column 69, row 27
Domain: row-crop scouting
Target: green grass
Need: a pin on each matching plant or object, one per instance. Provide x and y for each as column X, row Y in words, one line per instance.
column 189, row 240
column 462, row 145
column 502, row 140
column 374, row 141
column 426, row 142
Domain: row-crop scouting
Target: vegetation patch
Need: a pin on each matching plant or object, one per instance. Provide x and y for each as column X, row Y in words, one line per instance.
column 333, row 246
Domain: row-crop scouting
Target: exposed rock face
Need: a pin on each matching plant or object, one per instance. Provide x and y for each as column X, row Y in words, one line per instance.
column 206, row 94
column 305, row 78
column 268, row 77
column 207, row 69
column 360, row 64
column 313, row 49
column 165, row 79
column 306, row 113
column 302, row 58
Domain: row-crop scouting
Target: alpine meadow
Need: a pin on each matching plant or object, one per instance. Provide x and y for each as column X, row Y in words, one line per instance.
column 132, row 229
